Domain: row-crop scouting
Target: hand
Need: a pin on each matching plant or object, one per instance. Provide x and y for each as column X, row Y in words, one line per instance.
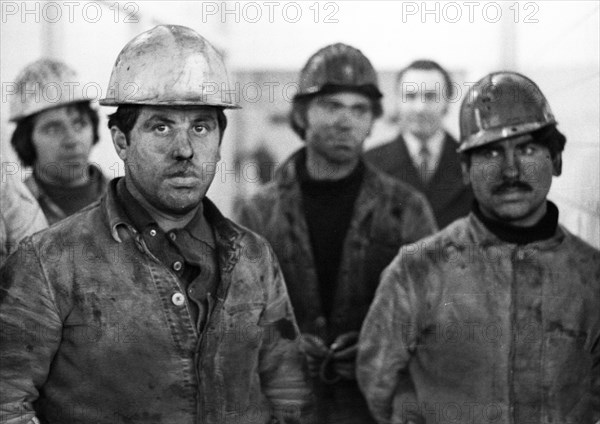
column 316, row 350
column 345, row 346
column 344, row 356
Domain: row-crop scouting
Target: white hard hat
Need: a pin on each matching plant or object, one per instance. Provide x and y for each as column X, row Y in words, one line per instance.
column 44, row 84
column 169, row 65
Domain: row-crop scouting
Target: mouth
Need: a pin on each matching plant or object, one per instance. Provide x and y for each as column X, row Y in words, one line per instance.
column 72, row 158
column 343, row 140
column 342, row 144
column 516, row 187
column 512, row 193
column 183, row 179
column 421, row 119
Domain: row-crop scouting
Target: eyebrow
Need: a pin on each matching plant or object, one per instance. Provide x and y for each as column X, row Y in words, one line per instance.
column 328, row 99
column 204, row 117
column 50, row 123
column 526, row 141
column 160, row 117
column 332, row 100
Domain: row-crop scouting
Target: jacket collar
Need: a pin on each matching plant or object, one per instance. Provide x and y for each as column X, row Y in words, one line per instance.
column 42, row 197
column 286, row 175
column 286, row 179
column 227, row 235
column 38, row 192
column 483, row 237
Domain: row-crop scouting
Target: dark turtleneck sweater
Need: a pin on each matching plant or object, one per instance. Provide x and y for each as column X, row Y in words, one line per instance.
column 328, row 208
column 542, row 230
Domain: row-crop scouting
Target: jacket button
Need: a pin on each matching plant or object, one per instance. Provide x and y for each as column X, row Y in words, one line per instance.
column 173, row 236
column 177, row 266
column 152, row 233
column 178, row 299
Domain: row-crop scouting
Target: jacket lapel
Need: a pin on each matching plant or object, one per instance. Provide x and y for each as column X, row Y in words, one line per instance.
column 446, row 183
column 409, row 172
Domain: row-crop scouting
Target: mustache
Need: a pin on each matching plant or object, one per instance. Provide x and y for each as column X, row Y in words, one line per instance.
column 182, row 172
column 510, row 185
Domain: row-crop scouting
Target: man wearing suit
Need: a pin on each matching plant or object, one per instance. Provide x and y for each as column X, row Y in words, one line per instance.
column 424, row 154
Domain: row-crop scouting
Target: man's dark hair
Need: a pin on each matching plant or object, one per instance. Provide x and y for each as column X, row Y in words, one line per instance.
column 428, row 65
column 549, row 137
column 21, row 138
column 126, row 116
column 300, row 105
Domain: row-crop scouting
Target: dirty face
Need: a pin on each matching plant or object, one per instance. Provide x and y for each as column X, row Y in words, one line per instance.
column 422, row 102
column 171, row 156
column 337, row 126
column 62, row 138
column 511, row 179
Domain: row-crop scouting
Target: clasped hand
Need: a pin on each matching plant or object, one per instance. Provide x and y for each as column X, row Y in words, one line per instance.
column 331, row 363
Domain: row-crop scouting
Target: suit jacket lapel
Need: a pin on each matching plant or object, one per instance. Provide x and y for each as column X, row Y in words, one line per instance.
column 407, row 167
column 446, row 183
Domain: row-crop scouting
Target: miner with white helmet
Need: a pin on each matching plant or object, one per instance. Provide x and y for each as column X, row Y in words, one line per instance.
column 150, row 306
column 496, row 318
column 56, row 129
column 334, row 221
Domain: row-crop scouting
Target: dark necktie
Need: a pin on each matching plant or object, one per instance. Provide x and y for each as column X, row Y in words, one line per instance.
column 424, row 165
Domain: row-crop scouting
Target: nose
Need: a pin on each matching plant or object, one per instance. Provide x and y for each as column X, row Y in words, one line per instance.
column 511, row 165
column 344, row 118
column 182, row 147
column 70, row 137
column 419, row 104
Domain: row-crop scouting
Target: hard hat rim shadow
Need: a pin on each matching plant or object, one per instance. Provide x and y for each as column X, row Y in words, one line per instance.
column 487, row 117
column 169, row 65
column 41, row 74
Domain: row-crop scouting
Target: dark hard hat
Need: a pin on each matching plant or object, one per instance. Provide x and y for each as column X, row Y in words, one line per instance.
column 338, row 67
column 502, row 105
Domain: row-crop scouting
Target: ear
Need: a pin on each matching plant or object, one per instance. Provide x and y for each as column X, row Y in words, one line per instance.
column 119, row 141
column 466, row 175
column 557, row 164
column 298, row 118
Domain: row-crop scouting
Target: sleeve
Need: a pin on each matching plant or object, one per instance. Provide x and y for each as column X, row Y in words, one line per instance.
column 30, row 333
column 21, row 215
column 387, row 341
column 283, row 370
column 596, row 380
column 418, row 221
column 4, row 244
